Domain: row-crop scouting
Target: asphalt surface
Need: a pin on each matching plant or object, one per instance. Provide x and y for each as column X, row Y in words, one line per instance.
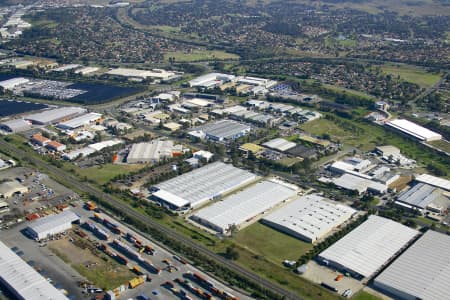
column 89, row 189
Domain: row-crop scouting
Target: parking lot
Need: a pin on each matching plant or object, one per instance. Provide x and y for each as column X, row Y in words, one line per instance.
column 54, row 258
column 321, row 274
column 43, row 193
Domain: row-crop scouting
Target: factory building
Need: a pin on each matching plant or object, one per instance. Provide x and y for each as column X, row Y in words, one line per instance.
column 54, row 224
column 359, row 184
column 309, row 218
column 202, row 154
column 15, row 126
column 413, row 130
column 12, row 83
column 211, row 80
column 243, row 206
column 92, row 148
column 141, row 74
column 197, row 187
column 421, row 272
column 222, row 130
column 56, row 115
column 153, row 151
column 434, row 181
column 80, row 121
column 22, row 280
column 369, row 247
column 423, row 197
column 9, row 188
column 279, row 144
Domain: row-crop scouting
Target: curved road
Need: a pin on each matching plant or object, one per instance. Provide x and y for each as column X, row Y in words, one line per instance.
column 146, row 220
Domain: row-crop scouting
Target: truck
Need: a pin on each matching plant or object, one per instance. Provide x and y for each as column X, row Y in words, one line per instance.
column 90, row 205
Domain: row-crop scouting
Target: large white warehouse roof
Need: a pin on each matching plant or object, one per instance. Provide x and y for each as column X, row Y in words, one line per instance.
column 53, row 224
column 203, row 184
column 152, row 151
column 79, row 121
column 55, row 115
column 422, row 271
column 156, row 73
column 414, row 130
column 309, row 217
column 246, row 204
column 280, row 144
column 370, row 246
column 22, row 280
column 434, row 181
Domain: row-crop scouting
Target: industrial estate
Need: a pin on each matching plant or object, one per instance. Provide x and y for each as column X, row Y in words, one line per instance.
column 285, row 155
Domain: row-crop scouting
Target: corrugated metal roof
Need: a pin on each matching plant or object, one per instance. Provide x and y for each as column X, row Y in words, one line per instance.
column 280, row 144
column 420, row 195
column 207, row 182
column 414, row 130
column 47, row 223
column 245, row 204
column 26, row 282
column 434, row 181
column 310, row 216
column 53, row 115
column 368, row 247
column 423, row 271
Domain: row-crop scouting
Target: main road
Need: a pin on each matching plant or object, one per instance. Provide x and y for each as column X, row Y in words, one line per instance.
column 69, row 179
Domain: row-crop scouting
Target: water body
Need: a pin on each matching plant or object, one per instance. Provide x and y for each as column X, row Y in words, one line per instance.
column 100, row 93
column 12, row 107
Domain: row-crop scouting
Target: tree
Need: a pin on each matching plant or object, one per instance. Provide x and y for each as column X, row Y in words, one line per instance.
column 231, row 253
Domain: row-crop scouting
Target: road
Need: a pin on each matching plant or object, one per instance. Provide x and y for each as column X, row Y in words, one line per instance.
column 91, row 190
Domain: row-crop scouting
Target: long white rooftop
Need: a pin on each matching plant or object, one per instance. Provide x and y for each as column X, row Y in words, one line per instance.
column 22, row 280
column 422, row 271
column 206, row 183
column 434, row 181
column 370, row 246
column 414, row 130
column 309, row 217
column 244, row 205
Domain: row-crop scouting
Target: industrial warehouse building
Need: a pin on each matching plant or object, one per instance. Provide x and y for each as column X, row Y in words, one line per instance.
column 201, row 185
column 359, row 184
column 222, row 130
column 421, row 272
column 153, row 151
column 9, row 188
column 423, row 197
column 80, row 121
column 15, row 126
column 13, row 82
column 22, row 281
column 309, row 218
column 210, row 80
column 369, row 247
column 413, row 130
column 141, row 74
column 244, row 205
column 56, row 115
column 53, row 224
column 434, row 181
column 279, row 144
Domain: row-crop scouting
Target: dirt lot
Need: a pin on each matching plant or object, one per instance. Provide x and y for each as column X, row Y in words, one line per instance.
column 99, row 269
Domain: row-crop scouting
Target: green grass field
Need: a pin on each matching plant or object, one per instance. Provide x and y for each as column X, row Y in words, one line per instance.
column 271, row 244
column 339, row 134
column 412, row 74
column 104, row 173
column 200, row 55
column 364, row 296
column 442, row 144
column 348, row 91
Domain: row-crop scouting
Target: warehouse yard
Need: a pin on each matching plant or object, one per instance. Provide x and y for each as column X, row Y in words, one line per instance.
column 99, row 269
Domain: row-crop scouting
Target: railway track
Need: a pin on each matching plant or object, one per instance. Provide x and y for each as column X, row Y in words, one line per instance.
column 94, row 191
